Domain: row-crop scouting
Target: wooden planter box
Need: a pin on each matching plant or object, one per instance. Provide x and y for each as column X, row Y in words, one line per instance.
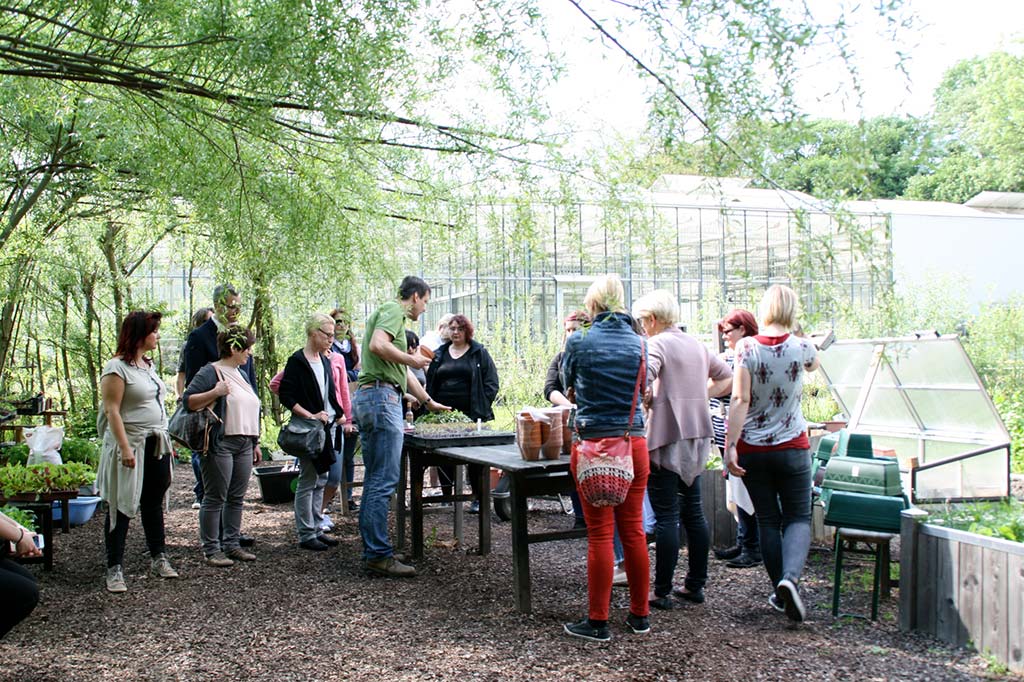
column 722, row 524
column 962, row 588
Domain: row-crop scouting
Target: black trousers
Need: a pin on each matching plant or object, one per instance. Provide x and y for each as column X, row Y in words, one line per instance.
column 446, row 477
column 156, row 479
column 19, row 594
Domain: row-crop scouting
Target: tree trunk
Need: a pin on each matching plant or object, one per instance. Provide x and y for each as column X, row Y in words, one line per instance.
column 64, row 351
column 107, row 242
column 91, row 320
column 262, row 324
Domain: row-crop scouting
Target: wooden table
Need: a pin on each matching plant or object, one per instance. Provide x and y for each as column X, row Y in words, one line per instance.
column 42, row 506
column 528, row 479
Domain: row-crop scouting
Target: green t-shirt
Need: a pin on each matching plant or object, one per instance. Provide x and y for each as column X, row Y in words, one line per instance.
column 389, row 318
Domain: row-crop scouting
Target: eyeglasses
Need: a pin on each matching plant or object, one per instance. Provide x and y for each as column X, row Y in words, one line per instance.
column 327, row 334
column 341, row 323
column 455, row 328
column 730, row 330
column 234, row 306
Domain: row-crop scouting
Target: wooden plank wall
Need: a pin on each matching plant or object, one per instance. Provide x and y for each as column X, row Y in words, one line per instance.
column 969, row 595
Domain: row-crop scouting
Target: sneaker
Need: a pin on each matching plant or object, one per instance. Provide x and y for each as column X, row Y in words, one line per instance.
column 774, row 602
column 353, row 506
column 115, row 580
column 619, row 577
column 239, row 554
column 729, row 553
column 789, row 595
column 474, row 507
column 640, row 625
column 219, row 559
column 744, row 560
column 326, row 524
column 314, row 545
column 246, row 540
column 660, row 603
column 161, row 567
column 584, row 630
column 391, row 567
column 197, row 505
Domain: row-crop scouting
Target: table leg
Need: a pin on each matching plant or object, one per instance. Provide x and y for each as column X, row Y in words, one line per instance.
column 47, row 513
column 520, row 546
column 65, row 522
column 485, row 510
column 416, row 503
column 457, row 487
column 401, row 511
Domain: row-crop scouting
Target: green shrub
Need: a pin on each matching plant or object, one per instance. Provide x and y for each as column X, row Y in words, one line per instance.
column 82, row 423
column 80, row 450
column 15, row 454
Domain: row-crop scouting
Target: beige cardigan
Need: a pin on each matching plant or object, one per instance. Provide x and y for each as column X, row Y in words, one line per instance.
column 678, row 369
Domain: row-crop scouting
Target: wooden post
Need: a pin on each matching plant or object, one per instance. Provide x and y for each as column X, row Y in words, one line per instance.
column 910, row 521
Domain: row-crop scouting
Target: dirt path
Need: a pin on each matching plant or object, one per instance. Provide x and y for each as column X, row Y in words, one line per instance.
column 298, row 615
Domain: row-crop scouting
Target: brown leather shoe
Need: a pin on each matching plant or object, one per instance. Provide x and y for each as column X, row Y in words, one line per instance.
column 391, row 567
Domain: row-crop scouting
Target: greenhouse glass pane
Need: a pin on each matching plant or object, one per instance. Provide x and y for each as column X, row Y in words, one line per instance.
column 981, row 476
column 886, row 407
column 848, row 399
column 847, row 363
column 964, row 411
column 930, row 362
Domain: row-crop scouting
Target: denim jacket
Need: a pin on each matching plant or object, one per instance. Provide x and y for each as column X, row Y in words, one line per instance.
column 601, row 363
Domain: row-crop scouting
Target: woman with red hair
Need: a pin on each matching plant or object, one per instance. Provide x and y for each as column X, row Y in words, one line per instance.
column 746, row 552
column 135, row 457
column 463, row 375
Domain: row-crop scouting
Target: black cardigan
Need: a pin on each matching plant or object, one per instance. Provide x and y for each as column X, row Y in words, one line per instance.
column 299, row 385
column 484, row 386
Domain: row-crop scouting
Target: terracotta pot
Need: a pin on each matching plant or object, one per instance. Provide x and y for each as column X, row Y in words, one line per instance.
column 552, row 447
column 528, row 437
column 566, row 431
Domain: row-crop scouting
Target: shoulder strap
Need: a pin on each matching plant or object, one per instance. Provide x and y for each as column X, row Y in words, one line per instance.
column 636, row 389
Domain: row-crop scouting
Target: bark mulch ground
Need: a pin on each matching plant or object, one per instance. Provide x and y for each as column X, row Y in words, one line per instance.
column 299, row 615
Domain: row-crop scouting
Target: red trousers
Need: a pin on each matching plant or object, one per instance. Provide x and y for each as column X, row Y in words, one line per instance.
column 601, row 523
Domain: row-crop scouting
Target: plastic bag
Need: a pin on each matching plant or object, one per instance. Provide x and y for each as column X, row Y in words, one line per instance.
column 43, row 443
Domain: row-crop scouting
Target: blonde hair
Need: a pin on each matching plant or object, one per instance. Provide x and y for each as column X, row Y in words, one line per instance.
column 315, row 320
column 605, row 294
column 659, row 304
column 778, row 306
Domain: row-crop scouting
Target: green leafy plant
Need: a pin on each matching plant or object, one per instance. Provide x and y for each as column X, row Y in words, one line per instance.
column 18, row 515
column 15, row 454
column 82, row 423
column 992, row 519
column 44, row 478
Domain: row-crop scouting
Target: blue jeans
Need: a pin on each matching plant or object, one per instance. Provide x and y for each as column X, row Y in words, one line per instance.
column 673, row 500
column 779, row 483
column 197, row 470
column 378, row 414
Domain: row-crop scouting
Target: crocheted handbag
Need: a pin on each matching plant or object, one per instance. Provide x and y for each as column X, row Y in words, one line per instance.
column 604, row 466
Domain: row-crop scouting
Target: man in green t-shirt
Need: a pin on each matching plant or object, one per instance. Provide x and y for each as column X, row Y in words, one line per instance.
column 377, row 407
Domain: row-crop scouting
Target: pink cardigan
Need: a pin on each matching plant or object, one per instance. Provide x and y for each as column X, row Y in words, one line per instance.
column 340, row 384
column 679, row 367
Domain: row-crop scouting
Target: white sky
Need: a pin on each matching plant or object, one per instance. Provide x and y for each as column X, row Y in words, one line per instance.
column 604, row 98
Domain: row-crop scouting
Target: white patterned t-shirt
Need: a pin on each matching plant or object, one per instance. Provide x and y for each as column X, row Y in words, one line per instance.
column 776, row 384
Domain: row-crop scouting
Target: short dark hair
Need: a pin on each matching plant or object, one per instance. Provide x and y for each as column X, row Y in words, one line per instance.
column 467, row 326
column 136, row 327
column 411, row 284
column 222, row 291
column 235, row 337
column 412, row 340
column 199, row 317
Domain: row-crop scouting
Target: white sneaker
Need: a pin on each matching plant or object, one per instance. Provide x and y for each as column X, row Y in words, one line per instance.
column 619, row 578
column 197, row 505
column 326, row 524
column 161, row 567
column 115, row 580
